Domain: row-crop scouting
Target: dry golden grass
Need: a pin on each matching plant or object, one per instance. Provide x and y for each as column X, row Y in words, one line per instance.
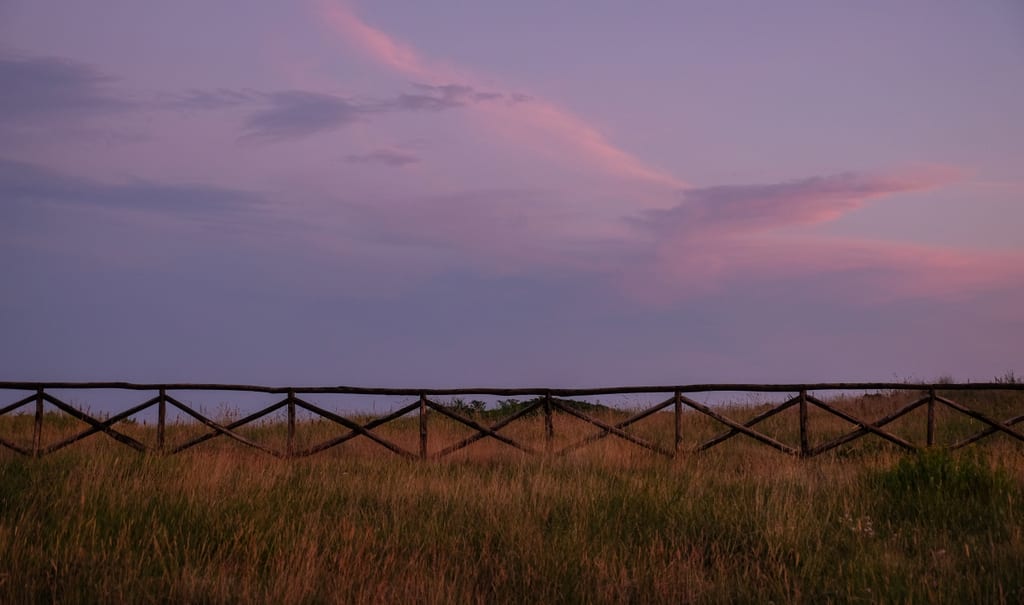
column 610, row 523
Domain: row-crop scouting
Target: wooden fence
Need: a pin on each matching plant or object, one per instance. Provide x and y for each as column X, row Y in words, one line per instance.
column 546, row 401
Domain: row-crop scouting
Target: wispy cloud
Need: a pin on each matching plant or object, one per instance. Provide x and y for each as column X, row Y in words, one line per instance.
column 858, row 270
column 39, row 90
column 534, row 125
column 730, row 234
column 388, row 157
column 220, row 98
column 807, row 201
column 45, row 88
column 22, row 182
column 717, row 238
column 298, row 113
column 447, row 96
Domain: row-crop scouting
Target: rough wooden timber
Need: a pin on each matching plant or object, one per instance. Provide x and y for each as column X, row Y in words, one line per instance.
column 549, row 401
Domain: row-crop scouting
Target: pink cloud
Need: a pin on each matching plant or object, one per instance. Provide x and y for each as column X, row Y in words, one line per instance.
column 749, row 208
column 715, row 236
column 872, row 271
column 535, row 124
column 396, row 55
column 522, row 231
column 728, row 235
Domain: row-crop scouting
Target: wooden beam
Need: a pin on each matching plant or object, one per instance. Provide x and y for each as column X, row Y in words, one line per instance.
column 99, row 426
column 549, row 424
column 619, row 425
column 37, row 425
column 15, row 447
column 353, row 434
column 985, row 433
column 290, row 445
column 220, row 429
column 995, row 424
column 102, row 426
column 765, row 439
column 231, row 426
column 864, row 425
column 748, row 424
column 678, row 410
column 423, row 427
column 540, row 391
column 478, row 427
column 161, row 422
column 930, row 439
column 355, row 427
column 18, row 404
column 804, row 439
column 494, row 428
column 824, row 447
column 560, row 404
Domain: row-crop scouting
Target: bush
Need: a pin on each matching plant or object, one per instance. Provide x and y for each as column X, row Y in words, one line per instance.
column 937, row 490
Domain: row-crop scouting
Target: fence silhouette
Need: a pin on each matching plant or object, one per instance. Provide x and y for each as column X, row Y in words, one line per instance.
column 545, row 400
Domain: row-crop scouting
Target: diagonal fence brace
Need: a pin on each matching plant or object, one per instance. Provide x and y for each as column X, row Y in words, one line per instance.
column 986, row 432
column 561, row 405
column 478, row 427
column 219, row 428
column 619, row 425
column 352, row 433
column 868, row 427
column 995, row 425
column 101, row 427
column 765, row 439
column 765, row 415
column 353, row 426
column 858, row 433
column 233, row 425
column 494, row 428
column 15, row 447
column 10, row 408
column 96, row 424
column 18, row 404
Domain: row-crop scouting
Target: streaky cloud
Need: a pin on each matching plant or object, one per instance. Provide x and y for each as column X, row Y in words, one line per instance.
column 294, row 114
column 818, row 199
column 44, row 88
column 299, row 113
column 439, row 98
column 221, row 98
column 525, row 119
column 26, row 183
column 388, row 157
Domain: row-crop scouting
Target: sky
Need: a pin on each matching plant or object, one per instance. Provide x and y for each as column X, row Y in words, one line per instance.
column 452, row 194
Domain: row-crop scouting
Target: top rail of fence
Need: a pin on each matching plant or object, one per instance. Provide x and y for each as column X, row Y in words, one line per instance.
column 558, row 392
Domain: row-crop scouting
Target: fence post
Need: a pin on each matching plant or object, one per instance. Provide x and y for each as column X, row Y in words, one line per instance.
column 37, row 429
column 678, row 407
column 549, row 424
column 931, row 417
column 291, row 423
column 423, row 426
column 161, row 422
column 804, row 441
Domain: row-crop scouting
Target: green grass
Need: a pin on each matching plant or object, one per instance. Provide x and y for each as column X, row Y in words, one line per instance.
column 610, row 524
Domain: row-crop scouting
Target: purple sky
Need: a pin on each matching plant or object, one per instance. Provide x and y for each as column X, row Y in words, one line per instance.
column 513, row 193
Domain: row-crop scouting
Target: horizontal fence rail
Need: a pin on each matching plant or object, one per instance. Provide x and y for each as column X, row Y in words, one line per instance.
column 546, row 401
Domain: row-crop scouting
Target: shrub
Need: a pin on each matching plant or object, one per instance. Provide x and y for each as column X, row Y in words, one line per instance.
column 938, row 490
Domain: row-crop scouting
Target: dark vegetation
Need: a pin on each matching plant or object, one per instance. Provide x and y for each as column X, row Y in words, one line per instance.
column 610, row 523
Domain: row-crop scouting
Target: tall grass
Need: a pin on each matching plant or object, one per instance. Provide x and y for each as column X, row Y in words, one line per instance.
column 612, row 523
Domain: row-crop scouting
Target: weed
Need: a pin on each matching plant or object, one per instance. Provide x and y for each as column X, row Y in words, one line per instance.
column 942, row 491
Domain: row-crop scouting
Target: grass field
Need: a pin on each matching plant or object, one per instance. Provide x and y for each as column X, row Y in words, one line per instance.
column 611, row 523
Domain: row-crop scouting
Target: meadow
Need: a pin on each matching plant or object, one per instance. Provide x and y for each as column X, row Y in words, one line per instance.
column 608, row 523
